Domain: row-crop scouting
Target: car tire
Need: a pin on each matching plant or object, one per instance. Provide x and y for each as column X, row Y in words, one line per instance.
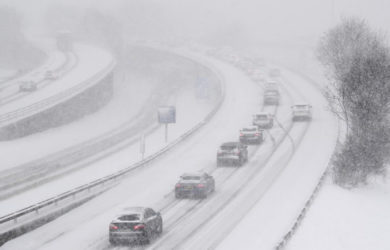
column 112, row 241
column 177, row 195
column 159, row 229
column 202, row 195
column 146, row 239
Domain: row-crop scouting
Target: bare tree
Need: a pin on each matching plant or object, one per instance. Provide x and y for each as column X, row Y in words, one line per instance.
column 357, row 63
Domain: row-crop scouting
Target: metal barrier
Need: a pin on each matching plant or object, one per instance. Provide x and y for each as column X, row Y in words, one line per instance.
column 55, row 99
column 17, row 228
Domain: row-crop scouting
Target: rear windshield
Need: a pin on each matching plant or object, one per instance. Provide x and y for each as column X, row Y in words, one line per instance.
column 189, row 178
column 249, row 129
column 272, row 92
column 228, row 147
column 130, row 217
column 262, row 117
column 301, row 106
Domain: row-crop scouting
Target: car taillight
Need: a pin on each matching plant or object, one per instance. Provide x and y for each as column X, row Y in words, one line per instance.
column 113, row 227
column 200, row 185
column 139, row 226
column 178, row 185
column 257, row 134
column 241, row 134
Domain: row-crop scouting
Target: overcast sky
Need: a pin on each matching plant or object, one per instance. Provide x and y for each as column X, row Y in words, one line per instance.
column 294, row 20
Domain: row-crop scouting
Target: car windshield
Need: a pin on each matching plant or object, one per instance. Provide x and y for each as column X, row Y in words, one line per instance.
column 301, row 106
column 130, row 217
column 189, row 178
column 262, row 117
column 249, row 129
column 228, row 147
column 271, row 93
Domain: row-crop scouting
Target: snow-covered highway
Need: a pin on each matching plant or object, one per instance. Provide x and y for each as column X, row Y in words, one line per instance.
column 266, row 176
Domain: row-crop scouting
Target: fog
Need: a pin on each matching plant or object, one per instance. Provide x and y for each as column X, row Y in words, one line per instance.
column 224, row 22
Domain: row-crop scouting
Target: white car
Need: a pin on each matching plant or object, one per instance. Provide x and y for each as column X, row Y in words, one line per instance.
column 28, row 86
column 263, row 120
column 301, row 112
column 251, row 134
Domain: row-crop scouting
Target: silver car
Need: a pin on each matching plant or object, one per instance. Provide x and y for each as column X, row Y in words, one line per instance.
column 251, row 134
column 301, row 112
column 135, row 224
column 263, row 120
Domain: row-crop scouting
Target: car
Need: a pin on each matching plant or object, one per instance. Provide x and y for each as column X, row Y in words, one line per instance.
column 235, row 153
column 271, row 97
column 263, row 120
column 271, row 86
column 194, row 185
column 50, row 75
column 301, row 112
column 135, row 224
column 28, row 86
column 251, row 134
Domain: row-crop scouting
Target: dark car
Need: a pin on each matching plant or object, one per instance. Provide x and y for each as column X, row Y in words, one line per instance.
column 234, row 153
column 251, row 134
column 194, row 185
column 135, row 224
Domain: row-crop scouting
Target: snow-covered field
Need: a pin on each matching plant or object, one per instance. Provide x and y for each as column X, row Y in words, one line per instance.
column 342, row 218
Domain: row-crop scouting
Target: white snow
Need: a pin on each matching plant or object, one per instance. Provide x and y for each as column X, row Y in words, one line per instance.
column 274, row 214
column 341, row 219
column 86, row 227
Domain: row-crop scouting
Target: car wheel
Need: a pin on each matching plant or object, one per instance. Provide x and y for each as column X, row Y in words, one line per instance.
column 146, row 238
column 177, row 195
column 112, row 241
column 159, row 229
column 203, row 195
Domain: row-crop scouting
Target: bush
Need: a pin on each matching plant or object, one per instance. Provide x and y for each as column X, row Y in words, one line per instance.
column 358, row 63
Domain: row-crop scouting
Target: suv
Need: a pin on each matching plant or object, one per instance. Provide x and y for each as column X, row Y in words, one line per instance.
column 271, row 97
column 232, row 152
column 263, row 120
column 251, row 134
column 194, row 184
column 135, row 224
column 301, row 112
column 28, row 86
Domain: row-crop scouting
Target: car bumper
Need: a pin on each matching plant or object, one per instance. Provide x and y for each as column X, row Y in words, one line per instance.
column 189, row 192
column 250, row 139
column 126, row 236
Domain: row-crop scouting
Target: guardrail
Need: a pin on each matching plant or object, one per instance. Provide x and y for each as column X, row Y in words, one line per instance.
column 15, row 230
column 55, row 99
column 286, row 238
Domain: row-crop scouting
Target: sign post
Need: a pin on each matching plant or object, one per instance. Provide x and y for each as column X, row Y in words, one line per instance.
column 166, row 115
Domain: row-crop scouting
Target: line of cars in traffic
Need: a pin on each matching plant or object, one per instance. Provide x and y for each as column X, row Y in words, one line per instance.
column 140, row 224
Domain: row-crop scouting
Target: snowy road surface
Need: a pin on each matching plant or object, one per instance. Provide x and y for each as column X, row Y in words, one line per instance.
column 87, row 227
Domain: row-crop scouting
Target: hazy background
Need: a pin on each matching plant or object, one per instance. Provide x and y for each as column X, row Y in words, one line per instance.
column 222, row 22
